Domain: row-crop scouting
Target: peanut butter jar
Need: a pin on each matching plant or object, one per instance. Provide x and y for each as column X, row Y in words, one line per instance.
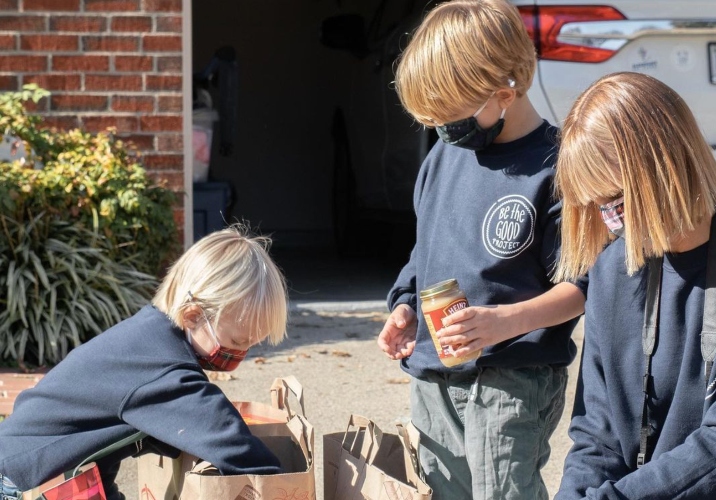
column 440, row 300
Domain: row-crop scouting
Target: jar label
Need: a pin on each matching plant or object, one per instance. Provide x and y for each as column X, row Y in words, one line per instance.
column 434, row 318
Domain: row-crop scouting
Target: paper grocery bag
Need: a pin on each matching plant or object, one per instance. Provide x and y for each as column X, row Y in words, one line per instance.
column 285, row 431
column 366, row 463
column 294, row 448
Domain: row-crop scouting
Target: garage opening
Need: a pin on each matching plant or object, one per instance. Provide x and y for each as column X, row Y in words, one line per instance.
column 308, row 141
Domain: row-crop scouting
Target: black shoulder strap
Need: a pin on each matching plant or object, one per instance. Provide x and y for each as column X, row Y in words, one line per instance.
column 648, row 340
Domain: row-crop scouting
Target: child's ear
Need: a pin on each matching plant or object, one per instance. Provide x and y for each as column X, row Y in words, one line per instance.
column 191, row 316
column 506, row 97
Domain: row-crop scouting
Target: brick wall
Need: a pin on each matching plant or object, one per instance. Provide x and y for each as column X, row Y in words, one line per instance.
column 107, row 63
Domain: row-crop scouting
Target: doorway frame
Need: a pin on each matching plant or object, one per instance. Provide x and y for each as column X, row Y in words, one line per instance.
column 187, row 79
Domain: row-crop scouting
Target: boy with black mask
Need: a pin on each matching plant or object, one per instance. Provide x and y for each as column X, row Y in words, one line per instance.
column 486, row 216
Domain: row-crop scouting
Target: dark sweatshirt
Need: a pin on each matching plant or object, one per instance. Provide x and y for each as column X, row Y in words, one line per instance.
column 607, row 412
column 490, row 220
column 141, row 374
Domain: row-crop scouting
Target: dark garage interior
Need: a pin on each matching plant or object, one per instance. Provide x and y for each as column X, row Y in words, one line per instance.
column 309, row 143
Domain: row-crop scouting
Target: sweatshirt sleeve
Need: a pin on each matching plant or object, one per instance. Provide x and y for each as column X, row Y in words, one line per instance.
column 404, row 291
column 595, row 468
column 183, row 409
column 595, row 457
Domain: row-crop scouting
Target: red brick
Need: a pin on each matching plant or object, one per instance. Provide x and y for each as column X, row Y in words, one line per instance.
column 127, row 83
column 169, row 64
column 23, row 64
column 160, row 123
column 134, row 63
column 159, row 43
column 110, row 43
column 8, row 82
column 23, row 23
column 162, row 5
column 170, row 142
column 111, row 5
column 163, row 161
column 143, row 104
column 139, row 141
column 80, row 63
column 164, row 82
column 169, row 24
column 141, row 24
column 51, row 81
column 172, row 180
column 79, row 102
column 101, row 123
column 65, row 5
column 8, row 42
column 179, row 217
column 49, row 43
column 82, row 24
column 61, row 122
column 40, row 106
column 9, row 4
column 170, row 103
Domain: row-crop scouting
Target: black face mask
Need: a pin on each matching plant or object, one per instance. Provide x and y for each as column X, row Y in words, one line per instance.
column 469, row 134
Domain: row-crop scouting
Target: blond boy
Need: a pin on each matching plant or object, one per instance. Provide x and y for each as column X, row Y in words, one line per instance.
column 485, row 216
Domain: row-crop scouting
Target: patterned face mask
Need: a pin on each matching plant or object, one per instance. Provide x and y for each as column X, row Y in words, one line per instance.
column 613, row 216
column 220, row 359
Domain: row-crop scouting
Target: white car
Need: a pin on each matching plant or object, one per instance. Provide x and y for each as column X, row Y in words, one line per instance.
column 379, row 149
column 578, row 42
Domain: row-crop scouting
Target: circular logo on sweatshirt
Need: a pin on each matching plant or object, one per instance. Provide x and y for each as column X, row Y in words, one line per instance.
column 509, row 226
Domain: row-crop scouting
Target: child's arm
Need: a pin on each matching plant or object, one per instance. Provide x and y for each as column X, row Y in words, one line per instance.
column 477, row 327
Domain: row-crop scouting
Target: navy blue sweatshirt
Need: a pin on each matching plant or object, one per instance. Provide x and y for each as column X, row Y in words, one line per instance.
column 607, row 412
column 490, row 220
column 141, row 374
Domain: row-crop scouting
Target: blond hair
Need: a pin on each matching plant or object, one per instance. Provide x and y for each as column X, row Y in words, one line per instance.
column 630, row 134
column 228, row 270
column 462, row 52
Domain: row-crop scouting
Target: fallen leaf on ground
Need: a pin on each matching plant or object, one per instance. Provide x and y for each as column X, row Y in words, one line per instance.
column 352, row 335
column 405, row 380
column 291, row 358
column 260, row 361
column 342, row 354
column 220, row 375
column 322, row 351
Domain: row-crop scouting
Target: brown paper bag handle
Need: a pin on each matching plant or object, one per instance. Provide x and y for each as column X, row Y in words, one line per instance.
column 371, row 440
column 410, row 437
column 280, row 390
column 303, row 434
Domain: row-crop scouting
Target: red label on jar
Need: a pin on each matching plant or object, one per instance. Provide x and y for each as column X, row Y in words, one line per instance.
column 434, row 322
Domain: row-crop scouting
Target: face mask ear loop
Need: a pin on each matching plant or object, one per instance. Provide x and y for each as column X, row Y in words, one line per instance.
column 211, row 329
column 483, row 106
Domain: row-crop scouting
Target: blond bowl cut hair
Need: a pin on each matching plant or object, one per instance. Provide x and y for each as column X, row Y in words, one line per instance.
column 228, row 270
column 463, row 51
column 630, row 134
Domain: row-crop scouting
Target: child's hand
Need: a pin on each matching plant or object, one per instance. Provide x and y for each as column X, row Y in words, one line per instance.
column 475, row 328
column 397, row 339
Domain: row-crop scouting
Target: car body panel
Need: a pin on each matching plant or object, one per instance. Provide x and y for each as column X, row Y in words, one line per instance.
column 672, row 41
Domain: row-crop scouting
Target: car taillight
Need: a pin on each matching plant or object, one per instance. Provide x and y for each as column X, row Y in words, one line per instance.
column 544, row 24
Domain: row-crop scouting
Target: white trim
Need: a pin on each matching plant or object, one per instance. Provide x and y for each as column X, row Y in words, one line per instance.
column 187, row 74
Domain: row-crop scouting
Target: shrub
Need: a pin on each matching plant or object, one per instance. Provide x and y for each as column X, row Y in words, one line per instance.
column 83, row 235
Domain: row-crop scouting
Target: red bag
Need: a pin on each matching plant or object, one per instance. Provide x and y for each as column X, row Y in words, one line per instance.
column 82, row 483
column 86, row 485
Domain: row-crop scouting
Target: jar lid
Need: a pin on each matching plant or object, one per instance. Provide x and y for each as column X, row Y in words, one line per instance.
column 438, row 288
